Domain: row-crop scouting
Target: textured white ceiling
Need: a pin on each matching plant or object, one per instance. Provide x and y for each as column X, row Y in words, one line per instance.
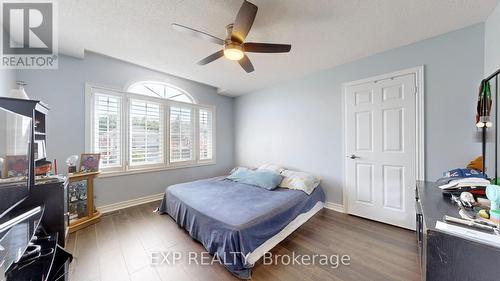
column 323, row 33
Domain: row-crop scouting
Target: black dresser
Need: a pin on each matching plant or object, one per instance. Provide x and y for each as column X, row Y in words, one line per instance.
column 33, row 220
column 446, row 256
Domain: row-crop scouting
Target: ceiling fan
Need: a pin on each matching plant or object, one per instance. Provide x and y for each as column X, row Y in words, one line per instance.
column 234, row 44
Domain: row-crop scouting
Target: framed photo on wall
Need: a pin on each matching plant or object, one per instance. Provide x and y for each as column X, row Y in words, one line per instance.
column 89, row 162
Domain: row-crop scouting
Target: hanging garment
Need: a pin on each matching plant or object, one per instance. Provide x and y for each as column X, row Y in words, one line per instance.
column 484, row 101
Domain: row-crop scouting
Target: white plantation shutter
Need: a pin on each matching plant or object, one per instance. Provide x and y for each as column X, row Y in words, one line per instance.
column 205, row 129
column 129, row 130
column 181, row 134
column 146, row 133
column 107, row 129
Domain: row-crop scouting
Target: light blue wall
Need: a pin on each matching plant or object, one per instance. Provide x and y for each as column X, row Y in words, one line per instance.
column 64, row 91
column 7, row 81
column 298, row 123
column 492, row 42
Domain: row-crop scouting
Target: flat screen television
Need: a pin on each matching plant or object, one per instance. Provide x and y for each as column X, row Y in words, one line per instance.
column 15, row 157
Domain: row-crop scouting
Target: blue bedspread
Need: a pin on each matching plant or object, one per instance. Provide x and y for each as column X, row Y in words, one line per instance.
column 229, row 217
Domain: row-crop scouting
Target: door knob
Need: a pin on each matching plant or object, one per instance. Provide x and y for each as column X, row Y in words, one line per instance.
column 353, row 156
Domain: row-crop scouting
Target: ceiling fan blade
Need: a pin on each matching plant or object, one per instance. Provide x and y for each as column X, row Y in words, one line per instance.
column 246, row 64
column 266, row 48
column 211, row 58
column 243, row 22
column 197, row 33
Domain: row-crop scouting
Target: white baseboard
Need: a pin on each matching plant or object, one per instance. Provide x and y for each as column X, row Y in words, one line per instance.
column 335, row 207
column 129, row 203
column 156, row 197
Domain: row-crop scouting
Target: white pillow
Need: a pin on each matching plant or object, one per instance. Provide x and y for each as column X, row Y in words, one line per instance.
column 299, row 180
column 272, row 168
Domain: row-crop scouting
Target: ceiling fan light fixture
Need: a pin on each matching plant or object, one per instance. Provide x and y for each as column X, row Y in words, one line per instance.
column 234, row 45
column 233, row 52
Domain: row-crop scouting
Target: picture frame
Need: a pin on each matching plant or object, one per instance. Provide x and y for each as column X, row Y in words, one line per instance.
column 16, row 166
column 89, row 162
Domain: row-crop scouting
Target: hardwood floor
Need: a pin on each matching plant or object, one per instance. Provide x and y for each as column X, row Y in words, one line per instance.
column 118, row 248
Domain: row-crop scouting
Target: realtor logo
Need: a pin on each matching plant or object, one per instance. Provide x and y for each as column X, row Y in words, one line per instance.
column 29, row 38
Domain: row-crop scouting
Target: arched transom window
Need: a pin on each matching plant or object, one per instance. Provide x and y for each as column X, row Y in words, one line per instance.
column 160, row 90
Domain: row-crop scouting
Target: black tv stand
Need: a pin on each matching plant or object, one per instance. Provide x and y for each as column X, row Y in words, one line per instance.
column 48, row 263
column 53, row 262
column 52, row 195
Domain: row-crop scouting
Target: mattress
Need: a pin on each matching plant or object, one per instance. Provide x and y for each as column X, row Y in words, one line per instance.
column 232, row 220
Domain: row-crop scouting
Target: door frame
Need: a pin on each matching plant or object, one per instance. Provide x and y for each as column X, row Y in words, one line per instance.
column 418, row 71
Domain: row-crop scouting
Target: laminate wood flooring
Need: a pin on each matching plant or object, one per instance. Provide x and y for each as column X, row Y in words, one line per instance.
column 119, row 248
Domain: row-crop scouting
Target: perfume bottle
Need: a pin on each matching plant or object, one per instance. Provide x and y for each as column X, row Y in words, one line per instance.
column 71, row 162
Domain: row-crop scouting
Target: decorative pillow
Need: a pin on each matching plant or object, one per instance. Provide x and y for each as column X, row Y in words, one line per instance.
column 238, row 172
column 265, row 179
column 273, row 168
column 299, row 180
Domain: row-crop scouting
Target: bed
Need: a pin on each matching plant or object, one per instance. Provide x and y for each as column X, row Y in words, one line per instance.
column 238, row 222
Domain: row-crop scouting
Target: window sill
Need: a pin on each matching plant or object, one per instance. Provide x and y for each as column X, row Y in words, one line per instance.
column 110, row 174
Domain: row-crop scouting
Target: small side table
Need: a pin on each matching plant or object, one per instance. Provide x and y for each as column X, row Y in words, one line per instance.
column 81, row 210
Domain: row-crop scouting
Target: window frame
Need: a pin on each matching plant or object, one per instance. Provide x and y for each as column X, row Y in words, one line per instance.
column 90, row 124
column 125, row 168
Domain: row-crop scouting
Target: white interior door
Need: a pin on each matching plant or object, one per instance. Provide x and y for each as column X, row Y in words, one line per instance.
column 381, row 150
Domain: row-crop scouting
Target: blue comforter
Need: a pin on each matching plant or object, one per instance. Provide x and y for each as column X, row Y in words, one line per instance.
column 229, row 217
